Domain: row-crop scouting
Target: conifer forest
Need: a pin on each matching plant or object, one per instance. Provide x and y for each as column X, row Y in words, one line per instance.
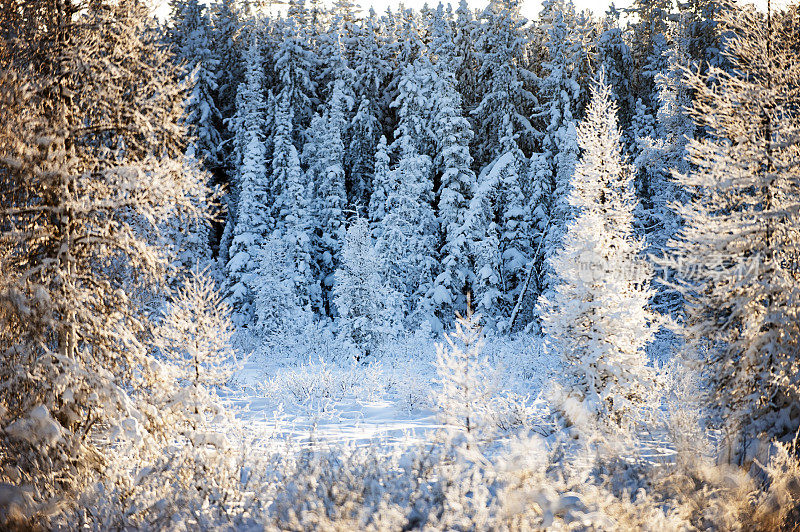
column 310, row 266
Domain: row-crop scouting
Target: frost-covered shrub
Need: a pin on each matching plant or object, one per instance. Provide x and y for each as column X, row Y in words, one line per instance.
column 467, row 380
column 319, row 384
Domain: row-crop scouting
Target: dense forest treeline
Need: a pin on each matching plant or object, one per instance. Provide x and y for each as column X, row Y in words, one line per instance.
column 452, row 131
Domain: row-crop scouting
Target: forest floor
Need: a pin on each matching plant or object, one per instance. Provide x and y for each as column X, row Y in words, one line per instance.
column 297, row 395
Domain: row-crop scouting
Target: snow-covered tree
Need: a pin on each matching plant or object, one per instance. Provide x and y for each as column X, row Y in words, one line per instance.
column 598, row 319
column 736, row 254
column 457, row 185
column 539, row 195
column 613, row 56
column 662, row 155
column 293, row 63
column 441, row 47
column 194, row 339
column 501, row 117
column 191, row 39
column 408, row 231
column 364, row 132
column 562, row 98
column 371, row 65
column 226, row 22
column 499, row 231
column 324, row 155
column 92, row 163
column 484, row 244
column 293, row 221
column 383, row 183
column 251, row 223
column 464, row 63
column 369, row 310
column 189, row 456
column 706, row 32
column 279, row 311
column 414, row 104
column 648, row 44
column 466, row 377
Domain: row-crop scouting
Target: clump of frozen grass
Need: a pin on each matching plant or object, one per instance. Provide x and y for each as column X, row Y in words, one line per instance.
column 319, row 384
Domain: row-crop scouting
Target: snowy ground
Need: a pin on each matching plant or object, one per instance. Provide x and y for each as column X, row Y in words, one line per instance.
column 299, row 394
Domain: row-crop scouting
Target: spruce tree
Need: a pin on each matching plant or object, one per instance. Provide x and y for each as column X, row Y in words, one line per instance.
column 190, row 37
column 369, row 310
column 598, row 318
column 324, row 155
column 407, row 232
column 291, row 213
column 457, row 185
column 561, row 103
column 251, row 223
column 383, row 183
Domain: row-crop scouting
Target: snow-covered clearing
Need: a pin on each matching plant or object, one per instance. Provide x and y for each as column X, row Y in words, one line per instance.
column 391, row 401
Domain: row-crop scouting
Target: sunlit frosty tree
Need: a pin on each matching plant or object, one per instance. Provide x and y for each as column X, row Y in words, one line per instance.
column 598, row 318
column 737, row 254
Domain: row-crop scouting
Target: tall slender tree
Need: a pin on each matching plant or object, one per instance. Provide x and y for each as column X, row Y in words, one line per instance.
column 598, row 318
column 251, row 223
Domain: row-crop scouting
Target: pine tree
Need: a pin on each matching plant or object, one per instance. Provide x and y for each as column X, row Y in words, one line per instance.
column 383, row 183
column 91, row 164
column 457, row 185
column 251, row 223
column 614, row 57
column 293, row 221
column 229, row 46
column 540, row 181
column 407, row 233
column 484, row 244
column 499, row 228
column 371, row 65
column 414, row 104
column 441, row 48
column 648, row 44
column 736, row 254
column 598, row 318
column 369, row 311
column 465, row 62
column 466, row 378
column 706, row 32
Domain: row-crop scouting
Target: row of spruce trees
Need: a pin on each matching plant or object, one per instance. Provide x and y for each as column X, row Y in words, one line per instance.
column 451, row 133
